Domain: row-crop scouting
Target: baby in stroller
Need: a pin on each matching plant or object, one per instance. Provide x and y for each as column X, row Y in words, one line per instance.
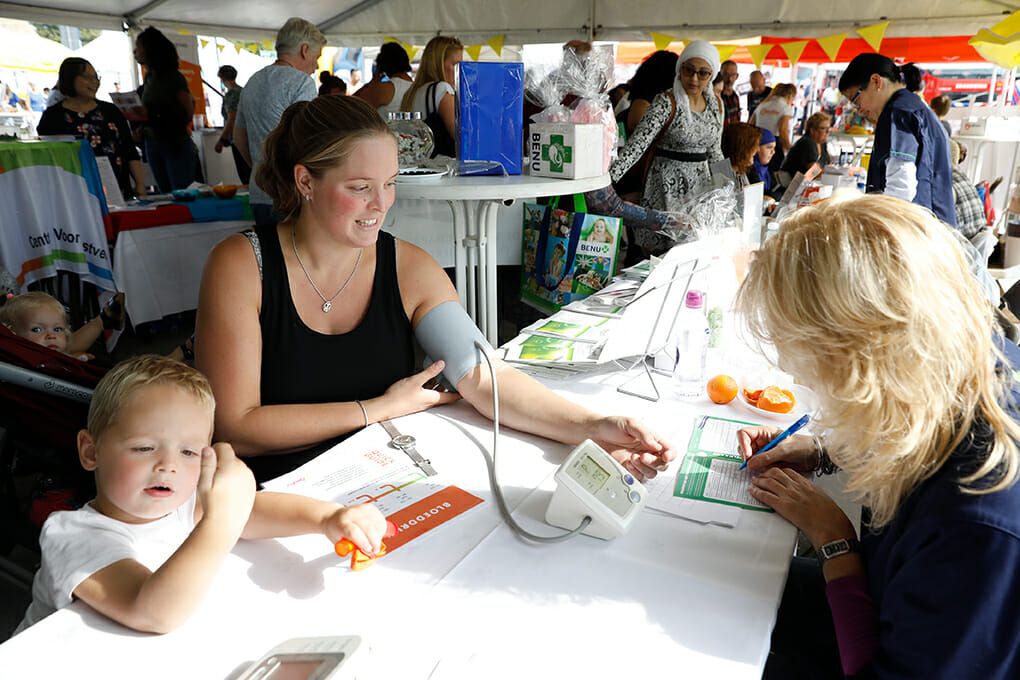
column 40, row 317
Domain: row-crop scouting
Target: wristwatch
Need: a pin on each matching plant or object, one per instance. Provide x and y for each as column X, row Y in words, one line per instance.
column 836, row 548
column 406, row 443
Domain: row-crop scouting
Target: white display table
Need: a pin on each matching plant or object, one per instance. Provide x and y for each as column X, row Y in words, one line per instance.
column 469, row 599
column 475, row 201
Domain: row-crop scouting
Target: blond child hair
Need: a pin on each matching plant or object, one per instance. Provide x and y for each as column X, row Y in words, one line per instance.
column 127, row 377
column 12, row 314
column 871, row 301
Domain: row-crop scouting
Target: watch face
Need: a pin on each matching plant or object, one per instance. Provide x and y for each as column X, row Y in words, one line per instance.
column 403, row 441
column 835, row 548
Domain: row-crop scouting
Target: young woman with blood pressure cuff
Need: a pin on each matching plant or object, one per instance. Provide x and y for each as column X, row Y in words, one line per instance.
column 305, row 328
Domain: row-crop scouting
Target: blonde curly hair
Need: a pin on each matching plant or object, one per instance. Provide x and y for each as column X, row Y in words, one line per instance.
column 870, row 301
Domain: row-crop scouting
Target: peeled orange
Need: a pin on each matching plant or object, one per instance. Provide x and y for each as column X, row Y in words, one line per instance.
column 722, row 389
column 776, row 400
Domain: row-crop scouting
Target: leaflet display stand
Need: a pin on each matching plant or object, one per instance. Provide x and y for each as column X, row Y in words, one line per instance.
column 648, row 351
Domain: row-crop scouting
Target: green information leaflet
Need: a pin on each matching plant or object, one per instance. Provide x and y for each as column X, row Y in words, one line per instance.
column 710, row 470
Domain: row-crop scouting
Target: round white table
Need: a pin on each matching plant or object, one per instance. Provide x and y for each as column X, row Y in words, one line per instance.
column 474, row 201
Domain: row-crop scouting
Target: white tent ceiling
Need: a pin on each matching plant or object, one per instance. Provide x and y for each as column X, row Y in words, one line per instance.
column 353, row 22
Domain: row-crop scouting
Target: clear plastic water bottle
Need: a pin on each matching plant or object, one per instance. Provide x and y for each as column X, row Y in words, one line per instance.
column 692, row 339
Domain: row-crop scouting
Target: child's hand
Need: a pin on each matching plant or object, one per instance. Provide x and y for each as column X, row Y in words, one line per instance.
column 363, row 525
column 226, row 487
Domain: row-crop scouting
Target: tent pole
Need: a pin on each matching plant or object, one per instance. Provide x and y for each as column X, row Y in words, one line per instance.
column 134, row 16
column 591, row 21
column 347, row 14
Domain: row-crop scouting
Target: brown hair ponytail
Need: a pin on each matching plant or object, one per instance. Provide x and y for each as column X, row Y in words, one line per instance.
column 317, row 134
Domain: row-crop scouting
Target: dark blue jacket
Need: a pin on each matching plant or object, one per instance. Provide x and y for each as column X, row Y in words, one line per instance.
column 945, row 577
column 907, row 129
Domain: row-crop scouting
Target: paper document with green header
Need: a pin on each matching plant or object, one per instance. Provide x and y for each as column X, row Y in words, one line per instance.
column 710, row 471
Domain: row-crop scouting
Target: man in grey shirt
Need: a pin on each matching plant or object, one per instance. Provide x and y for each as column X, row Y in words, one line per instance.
column 267, row 95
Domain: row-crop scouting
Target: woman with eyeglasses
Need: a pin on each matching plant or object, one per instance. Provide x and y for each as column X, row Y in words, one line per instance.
column 910, row 156
column 98, row 122
column 679, row 135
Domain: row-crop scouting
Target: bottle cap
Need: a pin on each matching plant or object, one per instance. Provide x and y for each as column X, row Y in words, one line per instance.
column 695, row 299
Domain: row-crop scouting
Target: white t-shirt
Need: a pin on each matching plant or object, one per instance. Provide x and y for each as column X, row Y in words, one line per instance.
column 76, row 544
column 400, row 88
column 768, row 113
column 442, row 88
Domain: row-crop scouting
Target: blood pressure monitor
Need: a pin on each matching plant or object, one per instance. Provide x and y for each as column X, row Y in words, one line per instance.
column 314, row 658
column 591, row 483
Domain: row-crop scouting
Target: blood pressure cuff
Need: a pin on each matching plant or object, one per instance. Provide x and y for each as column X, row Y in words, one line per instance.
column 447, row 332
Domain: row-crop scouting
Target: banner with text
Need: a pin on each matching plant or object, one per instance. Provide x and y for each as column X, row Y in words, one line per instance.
column 52, row 217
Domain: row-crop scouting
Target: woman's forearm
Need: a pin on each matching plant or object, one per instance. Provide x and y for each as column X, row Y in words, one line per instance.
column 290, row 427
column 526, row 405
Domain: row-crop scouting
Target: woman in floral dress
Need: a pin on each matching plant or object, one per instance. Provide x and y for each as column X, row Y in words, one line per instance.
column 99, row 123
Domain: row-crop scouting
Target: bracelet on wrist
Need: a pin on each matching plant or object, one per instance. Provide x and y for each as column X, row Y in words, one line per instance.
column 825, row 466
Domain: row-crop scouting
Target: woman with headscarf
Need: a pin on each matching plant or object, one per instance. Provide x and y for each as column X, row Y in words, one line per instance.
column 681, row 132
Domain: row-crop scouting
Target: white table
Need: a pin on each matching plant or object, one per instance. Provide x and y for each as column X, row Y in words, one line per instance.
column 159, row 269
column 474, row 201
column 470, row 600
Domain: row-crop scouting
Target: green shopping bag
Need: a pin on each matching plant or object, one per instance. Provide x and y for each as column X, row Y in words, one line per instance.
column 567, row 255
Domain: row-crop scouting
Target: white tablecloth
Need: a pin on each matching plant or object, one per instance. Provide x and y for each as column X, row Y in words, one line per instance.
column 160, row 269
column 470, row 600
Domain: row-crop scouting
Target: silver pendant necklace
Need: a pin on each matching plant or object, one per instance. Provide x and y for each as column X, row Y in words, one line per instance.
column 327, row 303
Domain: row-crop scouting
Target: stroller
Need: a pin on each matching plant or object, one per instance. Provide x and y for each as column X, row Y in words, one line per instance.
column 44, row 401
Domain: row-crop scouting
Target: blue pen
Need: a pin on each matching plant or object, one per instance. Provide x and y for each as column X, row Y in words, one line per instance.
column 782, row 435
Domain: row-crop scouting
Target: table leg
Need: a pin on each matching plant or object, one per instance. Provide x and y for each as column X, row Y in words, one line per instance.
column 488, row 251
column 481, row 210
column 470, row 245
column 474, row 233
column 460, row 261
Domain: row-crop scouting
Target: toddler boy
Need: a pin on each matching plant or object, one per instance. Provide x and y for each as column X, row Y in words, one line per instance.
column 168, row 506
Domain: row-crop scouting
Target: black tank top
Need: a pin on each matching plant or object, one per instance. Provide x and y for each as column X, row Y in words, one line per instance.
column 303, row 366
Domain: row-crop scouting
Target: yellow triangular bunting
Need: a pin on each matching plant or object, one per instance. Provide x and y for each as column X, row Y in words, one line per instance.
column 411, row 51
column 473, row 51
column 794, row 50
column 496, row 43
column 725, row 51
column 1009, row 25
column 662, row 40
column 873, row 34
column 758, row 53
column 831, row 44
column 204, row 42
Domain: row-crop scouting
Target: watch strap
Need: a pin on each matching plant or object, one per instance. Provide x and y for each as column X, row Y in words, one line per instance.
column 424, row 464
column 836, row 548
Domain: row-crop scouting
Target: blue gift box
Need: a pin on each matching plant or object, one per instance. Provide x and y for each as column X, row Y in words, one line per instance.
column 490, row 107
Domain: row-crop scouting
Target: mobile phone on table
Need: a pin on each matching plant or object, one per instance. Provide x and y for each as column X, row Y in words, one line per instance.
column 311, row 658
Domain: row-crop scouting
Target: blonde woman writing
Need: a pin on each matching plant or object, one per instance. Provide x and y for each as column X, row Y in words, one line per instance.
column 870, row 302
